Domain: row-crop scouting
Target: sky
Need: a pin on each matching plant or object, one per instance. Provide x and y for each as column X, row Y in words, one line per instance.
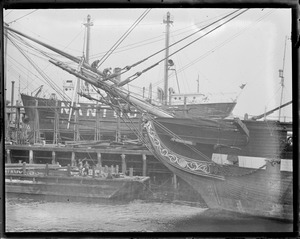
column 247, row 50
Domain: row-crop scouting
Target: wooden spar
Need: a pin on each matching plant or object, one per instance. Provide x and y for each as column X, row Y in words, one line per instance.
column 108, row 86
column 103, row 85
column 69, row 56
column 147, row 107
column 271, row 111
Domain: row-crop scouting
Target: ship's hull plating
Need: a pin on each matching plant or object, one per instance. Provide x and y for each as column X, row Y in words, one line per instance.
column 107, row 118
column 263, row 191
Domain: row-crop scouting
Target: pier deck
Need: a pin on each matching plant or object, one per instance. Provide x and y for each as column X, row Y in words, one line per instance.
column 164, row 184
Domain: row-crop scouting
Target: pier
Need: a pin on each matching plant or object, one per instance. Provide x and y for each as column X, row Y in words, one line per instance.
column 28, row 146
column 64, row 155
column 164, row 185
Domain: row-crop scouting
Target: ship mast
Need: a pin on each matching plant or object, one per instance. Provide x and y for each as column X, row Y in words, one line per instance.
column 167, row 21
column 88, row 24
column 79, row 84
column 6, row 122
column 282, row 77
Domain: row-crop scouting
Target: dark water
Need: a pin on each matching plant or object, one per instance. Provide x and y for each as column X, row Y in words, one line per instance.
column 36, row 214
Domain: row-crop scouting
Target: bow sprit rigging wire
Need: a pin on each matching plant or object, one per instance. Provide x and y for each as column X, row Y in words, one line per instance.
column 127, row 68
column 111, row 50
column 40, row 71
column 210, row 51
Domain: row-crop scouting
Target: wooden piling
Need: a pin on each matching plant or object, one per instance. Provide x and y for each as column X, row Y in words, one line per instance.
column 8, row 158
column 73, row 160
column 17, row 123
column 123, row 156
column 47, row 170
column 76, row 125
column 99, row 161
column 97, row 124
column 118, row 131
column 185, row 107
column 109, row 173
column 69, row 170
column 144, row 164
column 24, row 168
column 130, row 172
column 36, row 125
column 175, row 181
column 30, row 156
column 56, row 124
column 53, row 157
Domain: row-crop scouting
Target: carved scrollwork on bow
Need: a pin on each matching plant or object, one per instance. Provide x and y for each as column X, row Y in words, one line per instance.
column 173, row 158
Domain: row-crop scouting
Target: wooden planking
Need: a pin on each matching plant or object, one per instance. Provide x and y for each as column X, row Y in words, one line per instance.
column 78, row 150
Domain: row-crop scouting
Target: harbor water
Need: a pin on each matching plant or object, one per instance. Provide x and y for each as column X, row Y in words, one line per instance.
column 37, row 214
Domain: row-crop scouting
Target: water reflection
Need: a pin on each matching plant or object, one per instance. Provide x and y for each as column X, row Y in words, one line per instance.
column 39, row 214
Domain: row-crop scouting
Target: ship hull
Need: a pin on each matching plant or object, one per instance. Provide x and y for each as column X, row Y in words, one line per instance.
column 260, row 139
column 260, row 191
column 79, row 187
column 108, row 122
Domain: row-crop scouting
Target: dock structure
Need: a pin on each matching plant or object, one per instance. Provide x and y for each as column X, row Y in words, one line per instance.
column 131, row 159
column 140, row 160
column 39, row 151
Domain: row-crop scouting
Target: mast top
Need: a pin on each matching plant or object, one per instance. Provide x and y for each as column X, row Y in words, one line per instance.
column 88, row 21
column 167, row 19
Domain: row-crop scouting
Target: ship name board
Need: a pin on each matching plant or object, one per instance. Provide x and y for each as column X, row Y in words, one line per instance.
column 86, row 110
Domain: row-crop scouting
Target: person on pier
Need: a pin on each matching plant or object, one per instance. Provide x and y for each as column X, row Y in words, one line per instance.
column 80, row 167
column 86, row 168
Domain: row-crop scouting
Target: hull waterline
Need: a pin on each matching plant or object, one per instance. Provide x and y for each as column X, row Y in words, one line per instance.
column 264, row 191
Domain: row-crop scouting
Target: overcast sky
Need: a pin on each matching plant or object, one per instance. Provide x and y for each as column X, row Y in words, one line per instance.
column 247, row 50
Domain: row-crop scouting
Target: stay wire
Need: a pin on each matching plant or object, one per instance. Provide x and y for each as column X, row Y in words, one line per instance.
column 35, row 66
column 22, row 16
column 50, row 82
column 158, row 38
column 110, row 51
column 215, row 48
column 133, row 65
column 127, row 68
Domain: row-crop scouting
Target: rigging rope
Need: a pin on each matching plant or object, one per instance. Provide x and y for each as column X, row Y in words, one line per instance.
column 22, row 16
column 215, row 48
column 152, row 40
column 35, row 66
column 127, row 68
column 41, row 72
column 110, row 51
